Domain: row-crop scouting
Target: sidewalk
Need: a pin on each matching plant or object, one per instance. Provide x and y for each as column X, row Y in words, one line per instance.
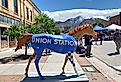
column 51, row 69
column 4, row 49
column 93, row 73
column 7, row 52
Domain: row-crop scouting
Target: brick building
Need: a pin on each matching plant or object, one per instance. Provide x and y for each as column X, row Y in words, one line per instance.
column 15, row 12
column 113, row 20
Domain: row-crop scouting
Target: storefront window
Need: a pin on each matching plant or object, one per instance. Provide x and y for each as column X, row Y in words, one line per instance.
column 8, row 20
column 4, row 42
column 27, row 12
column 5, row 3
column 31, row 15
column 15, row 6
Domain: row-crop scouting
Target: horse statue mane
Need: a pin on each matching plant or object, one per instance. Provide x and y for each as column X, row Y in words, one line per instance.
column 79, row 31
column 75, row 30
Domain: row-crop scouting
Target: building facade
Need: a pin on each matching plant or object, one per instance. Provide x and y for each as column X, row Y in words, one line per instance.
column 113, row 20
column 15, row 12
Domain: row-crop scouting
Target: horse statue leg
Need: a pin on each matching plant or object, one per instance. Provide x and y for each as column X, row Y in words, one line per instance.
column 38, row 56
column 30, row 59
column 71, row 59
column 65, row 62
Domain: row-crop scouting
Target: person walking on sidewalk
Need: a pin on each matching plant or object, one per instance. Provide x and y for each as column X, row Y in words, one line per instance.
column 88, row 43
column 117, row 40
column 101, row 37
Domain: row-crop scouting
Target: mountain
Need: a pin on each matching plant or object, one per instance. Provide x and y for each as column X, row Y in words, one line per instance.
column 74, row 17
column 85, row 13
column 91, row 20
column 72, row 22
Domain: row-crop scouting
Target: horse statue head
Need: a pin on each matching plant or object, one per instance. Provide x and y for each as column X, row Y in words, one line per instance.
column 79, row 31
column 22, row 40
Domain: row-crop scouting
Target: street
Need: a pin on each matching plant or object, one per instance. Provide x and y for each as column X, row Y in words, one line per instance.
column 103, row 53
column 109, row 64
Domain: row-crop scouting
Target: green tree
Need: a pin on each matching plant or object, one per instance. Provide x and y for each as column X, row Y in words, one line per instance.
column 57, row 31
column 44, row 24
column 96, row 22
column 14, row 31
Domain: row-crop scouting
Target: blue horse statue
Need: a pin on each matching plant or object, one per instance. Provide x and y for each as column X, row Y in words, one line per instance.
column 65, row 43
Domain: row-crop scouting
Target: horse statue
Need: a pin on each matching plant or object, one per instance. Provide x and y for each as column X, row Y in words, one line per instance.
column 64, row 43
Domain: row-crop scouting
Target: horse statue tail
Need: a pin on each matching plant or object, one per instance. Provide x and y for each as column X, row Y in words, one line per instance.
column 22, row 40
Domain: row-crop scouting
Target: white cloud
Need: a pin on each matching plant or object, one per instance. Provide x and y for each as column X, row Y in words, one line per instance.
column 86, row 13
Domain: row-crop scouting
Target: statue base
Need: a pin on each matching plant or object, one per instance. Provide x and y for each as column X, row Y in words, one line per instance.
column 57, row 77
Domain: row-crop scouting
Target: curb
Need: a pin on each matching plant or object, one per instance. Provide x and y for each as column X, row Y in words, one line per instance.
column 102, row 72
column 2, row 50
column 108, row 64
column 6, row 49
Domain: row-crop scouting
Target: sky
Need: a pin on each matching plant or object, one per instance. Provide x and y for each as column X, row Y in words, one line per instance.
column 59, row 5
column 61, row 10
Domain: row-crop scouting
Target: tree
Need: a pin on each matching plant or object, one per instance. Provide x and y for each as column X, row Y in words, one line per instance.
column 96, row 22
column 15, row 31
column 44, row 24
column 57, row 31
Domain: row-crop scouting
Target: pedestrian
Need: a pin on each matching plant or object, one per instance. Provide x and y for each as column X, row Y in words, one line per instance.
column 96, row 39
column 88, row 43
column 101, row 37
column 117, row 40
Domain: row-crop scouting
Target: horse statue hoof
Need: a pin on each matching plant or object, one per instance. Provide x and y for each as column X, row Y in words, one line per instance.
column 117, row 52
column 62, row 73
column 42, row 78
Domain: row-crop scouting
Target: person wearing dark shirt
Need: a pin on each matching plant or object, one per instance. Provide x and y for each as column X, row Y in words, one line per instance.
column 101, row 37
column 88, row 43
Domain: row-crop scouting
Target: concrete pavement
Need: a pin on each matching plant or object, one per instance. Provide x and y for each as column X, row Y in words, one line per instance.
column 106, row 52
column 110, row 66
column 11, row 52
column 50, row 69
column 7, row 53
